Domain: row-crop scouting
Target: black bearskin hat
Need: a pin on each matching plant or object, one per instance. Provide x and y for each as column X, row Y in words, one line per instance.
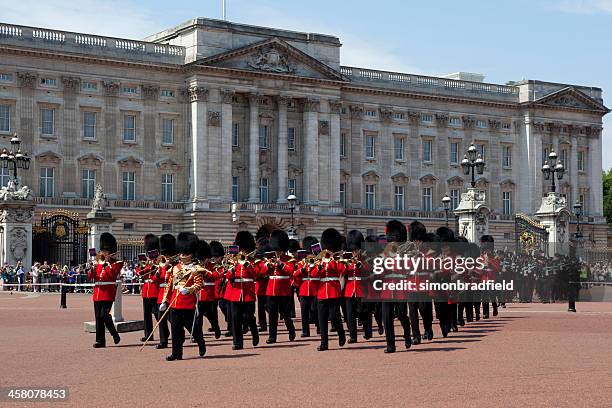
column 187, row 243
column 108, row 243
column 294, row 245
column 309, row 241
column 216, row 249
column 396, row 231
column 331, row 240
column 203, row 250
column 245, row 241
column 167, row 245
column 354, row 240
column 279, row 241
column 151, row 242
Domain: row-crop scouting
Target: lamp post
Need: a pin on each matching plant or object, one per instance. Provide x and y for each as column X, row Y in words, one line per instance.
column 14, row 157
column 578, row 213
column 446, row 200
column 291, row 200
column 552, row 166
column 472, row 161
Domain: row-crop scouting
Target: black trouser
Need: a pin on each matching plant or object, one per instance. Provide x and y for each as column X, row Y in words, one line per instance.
column 149, row 307
column 389, row 311
column 243, row 312
column 443, row 313
column 355, row 310
column 453, row 314
column 164, row 332
column 183, row 319
column 426, row 311
column 208, row 309
column 329, row 309
column 306, row 306
column 276, row 305
column 103, row 318
column 413, row 314
column 262, row 305
column 292, row 302
column 460, row 311
column 226, row 309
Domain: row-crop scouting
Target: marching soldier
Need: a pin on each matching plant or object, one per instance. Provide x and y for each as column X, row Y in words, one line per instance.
column 104, row 274
column 307, row 286
column 186, row 279
column 150, row 287
column 493, row 267
column 207, row 302
column 261, row 283
column 353, row 290
column 217, row 253
column 167, row 250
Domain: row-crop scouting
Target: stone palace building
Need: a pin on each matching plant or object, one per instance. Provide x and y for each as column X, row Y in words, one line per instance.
column 210, row 125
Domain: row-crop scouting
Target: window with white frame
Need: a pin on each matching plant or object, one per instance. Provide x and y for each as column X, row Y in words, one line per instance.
column 370, row 196
column 291, row 185
column 427, row 199
column 89, row 183
column 5, row 118
column 398, row 115
column 454, row 196
column 481, row 124
column 507, row 202
column 580, row 160
column 46, row 181
column 235, row 134
column 4, row 176
column 343, row 195
column 264, row 136
column 454, row 152
column 167, row 131
column 167, row 187
column 371, row 113
column 5, row 77
column 454, row 121
column 545, row 154
column 399, row 198
column 427, row 150
column 291, row 145
column 128, row 185
column 47, row 121
column 263, row 190
column 50, row 82
column 235, row 191
column 166, row 93
column 89, row 124
column 506, row 125
column 582, row 201
column 89, row 86
column 129, row 128
column 343, row 144
column 399, row 148
column 130, row 90
column 370, row 146
column 427, row 118
column 481, row 149
column 507, row 156
column 563, row 157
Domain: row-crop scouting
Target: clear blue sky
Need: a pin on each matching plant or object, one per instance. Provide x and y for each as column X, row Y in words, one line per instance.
column 567, row 41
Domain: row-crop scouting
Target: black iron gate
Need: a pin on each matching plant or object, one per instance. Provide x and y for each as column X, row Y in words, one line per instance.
column 530, row 235
column 60, row 238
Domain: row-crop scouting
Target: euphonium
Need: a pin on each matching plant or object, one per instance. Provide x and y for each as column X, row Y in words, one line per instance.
column 326, row 256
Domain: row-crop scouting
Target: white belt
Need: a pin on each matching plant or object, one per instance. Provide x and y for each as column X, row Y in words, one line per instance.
column 208, row 284
column 354, row 278
column 279, row 277
column 105, row 283
column 330, row 279
column 148, row 281
column 311, row 279
column 395, row 276
column 243, row 280
column 163, row 285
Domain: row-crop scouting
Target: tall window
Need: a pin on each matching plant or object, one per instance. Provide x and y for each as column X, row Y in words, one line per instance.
column 167, row 187
column 168, row 131
column 4, row 176
column 291, row 186
column 47, row 121
column 454, row 196
column 399, row 198
column 46, row 181
column 235, row 134
column 580, row 161
column 5, row 118
column 426, row 198
column 563, row 158
column 129, row 128
column 263, row 190
column 370, row 146
column 343, row 144
column 582, row 202
column 544, row 154
column 89, row 125
column 426, row 150
column 370, row 196
column 399, row 148
column 507, row 156
column 343, row 195
column 481, row 150
column 454, row 152
column 235, row 189
column 89, row 182
column 264, row 136
column 129, row 185
column 507, row 202
column 291, row 139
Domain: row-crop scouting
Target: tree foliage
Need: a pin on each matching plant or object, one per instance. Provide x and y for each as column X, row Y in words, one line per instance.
column 607, row 195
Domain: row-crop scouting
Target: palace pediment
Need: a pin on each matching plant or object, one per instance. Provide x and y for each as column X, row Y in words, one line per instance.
column 271, row 56
column 571, row 98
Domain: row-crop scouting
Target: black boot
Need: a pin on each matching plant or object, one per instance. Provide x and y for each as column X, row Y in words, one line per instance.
column 172, row 357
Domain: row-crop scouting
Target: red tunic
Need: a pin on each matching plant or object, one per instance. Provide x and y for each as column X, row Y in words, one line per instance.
column 150, row 287
column 209, row 283
column 354, row 276
column 176, row 299
column 241, row 283
column 280, row 277
column 329, row 285
column 161, row 279
column 261, row 283
column 104, row 278
column 306, row 283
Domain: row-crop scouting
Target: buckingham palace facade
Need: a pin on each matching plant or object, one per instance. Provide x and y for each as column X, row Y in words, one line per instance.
column 210, row 125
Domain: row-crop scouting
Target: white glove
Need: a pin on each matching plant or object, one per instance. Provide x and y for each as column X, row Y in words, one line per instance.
column 163, row 307
column 184, row 291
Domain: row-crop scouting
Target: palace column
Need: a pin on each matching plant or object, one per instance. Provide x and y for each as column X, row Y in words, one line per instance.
column 311, row 151
column 150, row 93
column 387, row 155
column 414, row 163
column 69, row 141
column 226, row 97
column 356, row 154
column 334, row 171
column 573, row 170
column 109, row 167
column 595, row 204
column 25, row 114
column 199, row 138
column 494, row 159
column 253, row 148
column 282, row 169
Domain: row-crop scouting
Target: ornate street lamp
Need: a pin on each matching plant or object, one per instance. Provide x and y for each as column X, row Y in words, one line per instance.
column 552, row 166
column 15, row 158
column 472, row 161
column 446, row 200
column 578, row 213
column 291, row 200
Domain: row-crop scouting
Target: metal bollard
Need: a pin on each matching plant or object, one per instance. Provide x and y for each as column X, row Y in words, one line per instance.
column 62, row 296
